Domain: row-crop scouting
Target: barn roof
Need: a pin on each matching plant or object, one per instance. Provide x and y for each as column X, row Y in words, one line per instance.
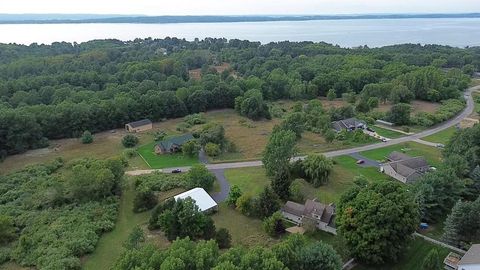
column 140, row 123
column 201, row 198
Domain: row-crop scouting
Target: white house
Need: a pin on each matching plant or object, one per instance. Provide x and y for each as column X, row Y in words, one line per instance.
column 471, row 259
column 204, row 202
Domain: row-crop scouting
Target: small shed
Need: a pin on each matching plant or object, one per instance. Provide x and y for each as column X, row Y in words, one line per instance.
column 139, row 126
column 204, row 202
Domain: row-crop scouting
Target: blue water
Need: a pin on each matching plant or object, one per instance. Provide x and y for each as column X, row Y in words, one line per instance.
column 346, row 33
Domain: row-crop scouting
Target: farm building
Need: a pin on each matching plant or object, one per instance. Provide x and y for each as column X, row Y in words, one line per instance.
column 204, row 202
column 404, row 168
column 349, row 124
column 322, row 215
column 139, row 126
column 172, row 145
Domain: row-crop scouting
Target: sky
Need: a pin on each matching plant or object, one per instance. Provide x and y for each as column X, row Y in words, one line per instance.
column 238, row 7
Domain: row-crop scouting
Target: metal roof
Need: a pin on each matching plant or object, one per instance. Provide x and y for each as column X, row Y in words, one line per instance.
column 201, row 198
column 140, row 123
column 472, row 256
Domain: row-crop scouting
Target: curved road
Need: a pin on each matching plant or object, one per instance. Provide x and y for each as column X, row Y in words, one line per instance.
column 415, row 137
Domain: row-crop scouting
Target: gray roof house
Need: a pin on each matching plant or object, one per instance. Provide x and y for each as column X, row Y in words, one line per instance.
column 321, row 214
column 173, row 144
column 404, row 168
column 471, row 259
column 348, row 124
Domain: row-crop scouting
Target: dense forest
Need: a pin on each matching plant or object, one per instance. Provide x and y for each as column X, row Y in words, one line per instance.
column 61, row 90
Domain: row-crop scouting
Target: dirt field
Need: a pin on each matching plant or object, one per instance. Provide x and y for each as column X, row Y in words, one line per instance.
column 417, row 106
column 196, row 74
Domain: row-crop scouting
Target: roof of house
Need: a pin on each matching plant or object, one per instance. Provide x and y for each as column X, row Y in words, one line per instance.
column 325, row 212
column 179, row 140
column 294, row 208
column 347, row 123
column 406, row 165
column 201, row 198
column 140, row 123
column 472, row 256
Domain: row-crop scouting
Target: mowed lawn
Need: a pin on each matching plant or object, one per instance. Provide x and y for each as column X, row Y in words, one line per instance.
column 413, row 257
column 387, row 133
column 155, row 161
column 431, row 154
column 250, row 180
column 441, row 137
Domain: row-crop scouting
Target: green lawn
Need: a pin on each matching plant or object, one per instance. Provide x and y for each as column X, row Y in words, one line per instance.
column 387, row 133
column 251, row 180
column 413, row 257
column 441, row 137
column 155, row 161
column 109, row 248
column 431, row 154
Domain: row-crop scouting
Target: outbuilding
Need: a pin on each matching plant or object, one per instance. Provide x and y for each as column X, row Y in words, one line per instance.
column 139, row 126
column 204, row 202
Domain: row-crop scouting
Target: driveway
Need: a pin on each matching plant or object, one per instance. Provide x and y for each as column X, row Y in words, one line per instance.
column 224, row 186
column 367, row 162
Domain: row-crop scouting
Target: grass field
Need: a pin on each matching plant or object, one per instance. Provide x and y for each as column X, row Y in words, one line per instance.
column 441, row 137
column 387, row 133
column 109, row 248
column 155, row 161
column 431, row 154
column 250, row 180
column 413, row 257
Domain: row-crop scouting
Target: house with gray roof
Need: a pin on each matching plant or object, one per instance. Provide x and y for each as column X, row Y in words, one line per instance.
column 404, row 168
column 322, row 215
column 172, row 145
column 471, row 259
column 349, row 124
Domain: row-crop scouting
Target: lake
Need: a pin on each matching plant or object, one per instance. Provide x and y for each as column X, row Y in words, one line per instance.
column 346, row 33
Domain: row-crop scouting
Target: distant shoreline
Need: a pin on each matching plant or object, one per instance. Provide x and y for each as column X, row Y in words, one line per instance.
column 222, row 19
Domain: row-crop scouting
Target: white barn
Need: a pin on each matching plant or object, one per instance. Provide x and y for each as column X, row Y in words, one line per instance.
column 204, row 202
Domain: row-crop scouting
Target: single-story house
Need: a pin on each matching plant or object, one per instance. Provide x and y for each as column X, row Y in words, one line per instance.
column 349, row 124
column 139, row 126
column 469, row 261
column 321, row 214
column 404, row 168
column 172, row 145
column 204, row 202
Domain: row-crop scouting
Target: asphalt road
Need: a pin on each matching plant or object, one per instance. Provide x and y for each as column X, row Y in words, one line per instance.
column 414, row 137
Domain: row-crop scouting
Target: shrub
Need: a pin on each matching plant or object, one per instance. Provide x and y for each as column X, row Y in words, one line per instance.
column 130, row 140
column 274, row 225
column 244, row 204
column 87, row 137
column 195, row 119
column 144, row 200
column 200, row 176
column 212, row 149
column 191, row 148
column 223, row 238
column 129, row 153
column 233, row 195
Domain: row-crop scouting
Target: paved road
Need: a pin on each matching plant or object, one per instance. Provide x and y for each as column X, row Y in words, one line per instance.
column 224, row 186
column 415, row 137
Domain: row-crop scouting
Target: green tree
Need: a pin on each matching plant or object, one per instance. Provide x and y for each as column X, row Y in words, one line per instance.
column 274, row 225
column 399, row 114
column 233, row 195
column 295, row 122
column 190, row 148
column 252, row 105
column 135, row 238
column 329, row 135
column 266, row 204
column 319, row 256
column 7, row 229
column 331, row 95
column 130, row 141
column 281, row 183
column 432, row 261
column 317, row 168
column 200, row 176
column 223, row 238
column 462, row 226
column 87, row 137
column 279, row 150
column 244, row 204
column 388, row 216
column 144, row 200
column 212, row 149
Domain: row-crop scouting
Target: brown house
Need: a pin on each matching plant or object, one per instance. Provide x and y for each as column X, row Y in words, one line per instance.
column 139, row 126
column 172, row 145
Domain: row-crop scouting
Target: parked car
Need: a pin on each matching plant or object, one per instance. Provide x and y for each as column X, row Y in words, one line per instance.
column 176, row 171
column 384, row 140
column 371, row 130
column 360, row 161
column 439, row 145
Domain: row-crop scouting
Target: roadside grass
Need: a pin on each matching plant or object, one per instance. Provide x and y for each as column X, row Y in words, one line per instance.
column 245, row 231
column 341, row 179
column 312, row 143
column 110, row 245
column 250, row 180
column 441, row 137
column 155, row 161
column 387, row 133
column 431, row 154
column 412, row 258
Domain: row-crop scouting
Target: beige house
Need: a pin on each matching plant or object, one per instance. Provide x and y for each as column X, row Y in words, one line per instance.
column 139, row 126
column 322, row 215
column 404, row 168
